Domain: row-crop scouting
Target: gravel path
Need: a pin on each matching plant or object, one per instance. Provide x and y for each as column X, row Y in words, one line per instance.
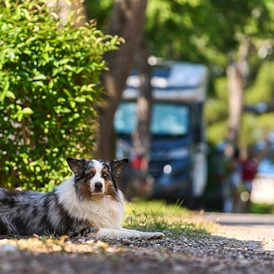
column 230, row 249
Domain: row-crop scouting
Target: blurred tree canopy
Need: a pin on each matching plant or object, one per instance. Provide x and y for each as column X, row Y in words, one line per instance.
column 194, row 30
column 205, row 32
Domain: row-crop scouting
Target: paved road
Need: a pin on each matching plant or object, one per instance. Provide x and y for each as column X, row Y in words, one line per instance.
column 239, row 219
column 247, row 227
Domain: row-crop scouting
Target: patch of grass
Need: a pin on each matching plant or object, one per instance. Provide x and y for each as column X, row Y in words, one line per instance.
column 172, row 219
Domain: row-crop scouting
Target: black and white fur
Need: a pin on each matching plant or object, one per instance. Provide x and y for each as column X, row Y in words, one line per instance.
column 88, row 203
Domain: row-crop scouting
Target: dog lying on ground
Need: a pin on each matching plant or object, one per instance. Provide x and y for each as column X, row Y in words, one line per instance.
column 89, row 203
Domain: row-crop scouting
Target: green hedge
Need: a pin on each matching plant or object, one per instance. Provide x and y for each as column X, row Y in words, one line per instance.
column 49, row 85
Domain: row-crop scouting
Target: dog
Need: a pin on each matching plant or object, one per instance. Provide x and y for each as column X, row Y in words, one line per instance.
column 89, row 203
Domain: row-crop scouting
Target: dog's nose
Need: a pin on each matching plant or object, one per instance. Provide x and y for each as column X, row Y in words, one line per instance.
column 98, row 186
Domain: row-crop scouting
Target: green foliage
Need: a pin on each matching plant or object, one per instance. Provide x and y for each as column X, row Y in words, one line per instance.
column 256, row 127
column 253, row 127
column 188, row 37
column 101, row 10
column 180, row 24
column 263, row 88
column 204, row 32
column 216, row 133
column 262, row 208
column 250, row 134
column 197, row 30
column 216, row 112
column 49, row 85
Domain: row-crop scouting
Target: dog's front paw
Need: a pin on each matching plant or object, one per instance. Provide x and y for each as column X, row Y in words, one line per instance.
column 158, row 235
column 152, row 235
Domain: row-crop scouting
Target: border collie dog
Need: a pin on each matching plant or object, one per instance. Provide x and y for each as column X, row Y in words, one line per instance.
column 89, row 203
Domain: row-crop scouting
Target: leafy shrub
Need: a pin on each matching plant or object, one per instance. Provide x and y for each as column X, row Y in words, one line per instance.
column 262, row 208
column 49, row 85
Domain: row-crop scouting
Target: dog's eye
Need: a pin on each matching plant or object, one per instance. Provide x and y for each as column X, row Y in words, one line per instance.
column 91, row 174
column 105, row 175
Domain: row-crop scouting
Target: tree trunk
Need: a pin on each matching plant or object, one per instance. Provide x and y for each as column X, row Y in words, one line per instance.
column 235, row 104
column 236, row 75
column 128, row 22
column 141, row 139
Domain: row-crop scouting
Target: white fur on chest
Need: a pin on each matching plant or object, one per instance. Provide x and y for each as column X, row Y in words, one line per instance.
column 101, row 212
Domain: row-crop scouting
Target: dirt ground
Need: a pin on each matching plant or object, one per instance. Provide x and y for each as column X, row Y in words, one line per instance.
column 229, row 249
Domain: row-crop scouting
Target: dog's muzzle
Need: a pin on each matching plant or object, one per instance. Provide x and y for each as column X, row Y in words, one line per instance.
column 98, row 187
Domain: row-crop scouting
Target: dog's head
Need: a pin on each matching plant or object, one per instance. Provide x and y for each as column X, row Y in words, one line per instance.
column 96, row 177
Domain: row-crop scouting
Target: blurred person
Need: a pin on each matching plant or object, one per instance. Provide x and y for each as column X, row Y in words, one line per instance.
column 235, row 180
column 249, row 171
column 139, row 161
column 139, row 183
column 232, row 183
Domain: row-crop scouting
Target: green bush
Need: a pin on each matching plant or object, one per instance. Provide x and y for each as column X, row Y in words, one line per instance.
column 262, row 208
column 49, row 85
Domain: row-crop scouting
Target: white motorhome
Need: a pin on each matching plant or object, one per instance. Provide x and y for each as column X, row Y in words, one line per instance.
column 178, row 160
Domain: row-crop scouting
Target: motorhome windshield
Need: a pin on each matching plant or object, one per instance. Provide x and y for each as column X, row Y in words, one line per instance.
column 167, row 119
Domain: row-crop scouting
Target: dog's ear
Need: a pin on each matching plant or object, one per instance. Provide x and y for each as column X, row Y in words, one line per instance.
column 118, row 165
column 76, row 165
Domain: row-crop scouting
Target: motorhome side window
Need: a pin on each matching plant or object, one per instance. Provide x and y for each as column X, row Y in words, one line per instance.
column 167, row 119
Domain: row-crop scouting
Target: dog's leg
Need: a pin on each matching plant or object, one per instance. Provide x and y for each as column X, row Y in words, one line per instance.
column 123, row 234
column 144, row 235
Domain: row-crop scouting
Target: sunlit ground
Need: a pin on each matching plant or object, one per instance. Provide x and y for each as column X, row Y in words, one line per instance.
column 172, row 219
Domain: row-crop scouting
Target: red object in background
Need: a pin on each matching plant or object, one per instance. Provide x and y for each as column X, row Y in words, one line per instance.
column 249, row 169
column 139, row 162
